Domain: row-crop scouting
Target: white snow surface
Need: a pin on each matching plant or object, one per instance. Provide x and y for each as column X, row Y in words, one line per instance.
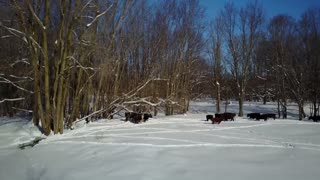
column 175, row 147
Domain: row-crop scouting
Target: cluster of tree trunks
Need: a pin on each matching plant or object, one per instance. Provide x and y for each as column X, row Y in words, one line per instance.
column 88, row 58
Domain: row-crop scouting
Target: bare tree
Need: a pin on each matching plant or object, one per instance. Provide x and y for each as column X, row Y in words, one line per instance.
column 242, row 28
column 309, row 33
column 281, row 30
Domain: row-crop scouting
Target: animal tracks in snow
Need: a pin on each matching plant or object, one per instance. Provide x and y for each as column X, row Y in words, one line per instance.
column 178, row 133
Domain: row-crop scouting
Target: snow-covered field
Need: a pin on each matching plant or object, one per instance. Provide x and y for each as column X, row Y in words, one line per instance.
column 176, row 147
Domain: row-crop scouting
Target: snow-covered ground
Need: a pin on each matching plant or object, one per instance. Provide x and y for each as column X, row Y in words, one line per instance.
column 176, row 147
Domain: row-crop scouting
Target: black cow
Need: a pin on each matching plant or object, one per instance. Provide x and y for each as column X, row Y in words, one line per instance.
column 270, row 115
column 253, row 115
column 209, row 116
column 127, row 115
column 261, row 116
column 266, row 116
column 218, row 115
column 136, row 117
column 146, row 116
column 226, row 116
column 314, row 118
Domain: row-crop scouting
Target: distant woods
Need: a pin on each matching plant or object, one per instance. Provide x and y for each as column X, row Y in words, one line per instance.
column 252, row 58
column 67, row 61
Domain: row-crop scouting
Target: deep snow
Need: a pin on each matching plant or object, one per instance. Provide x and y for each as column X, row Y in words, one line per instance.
column 176, row 147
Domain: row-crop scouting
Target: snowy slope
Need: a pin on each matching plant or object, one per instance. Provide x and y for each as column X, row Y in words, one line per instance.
column 177, row 147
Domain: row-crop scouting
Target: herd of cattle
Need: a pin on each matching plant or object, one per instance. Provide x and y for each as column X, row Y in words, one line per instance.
column 226, row 116
column 216, row 119
column 221, row 117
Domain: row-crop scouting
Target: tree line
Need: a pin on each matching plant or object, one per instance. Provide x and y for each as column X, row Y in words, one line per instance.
column 268, row 59
column 71, row 60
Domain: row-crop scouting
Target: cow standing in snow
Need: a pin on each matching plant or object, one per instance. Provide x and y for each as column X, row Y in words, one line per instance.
column 314, row 118
column 209, row 116
column 253, row 115
column 226, row 116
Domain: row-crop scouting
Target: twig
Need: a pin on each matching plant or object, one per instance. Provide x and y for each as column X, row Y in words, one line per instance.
column 11, row 100
column 24, row 110
column 15, row 85
column 20, row 61
column 98, row 16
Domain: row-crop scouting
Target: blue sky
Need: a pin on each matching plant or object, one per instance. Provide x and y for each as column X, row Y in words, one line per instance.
column 272, row 7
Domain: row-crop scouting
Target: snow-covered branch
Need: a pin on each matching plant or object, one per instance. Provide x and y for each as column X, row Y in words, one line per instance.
column 121, row 107
column 112, row 104
column 81, row 66
column 22, row 35
column 92, row 114
column 86, row 5
column 89, row 17
column 88, row 80
column 262, row 78
column 25, row 61
column 142, row 101
column 7, row 36
column 11, row 100
column 132, row 93
column 24, row 110
column 99, row 15
column 15, row 85
column 21, row 77
column 36, row 17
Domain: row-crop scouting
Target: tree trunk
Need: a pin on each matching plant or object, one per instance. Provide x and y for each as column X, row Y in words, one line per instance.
column 241, row 99
column 76, row 101
column 314, row 108
column 46, row 66
column 169, row 110
column 265, row 93
column 62, row 77
column 284, row 110
column 155, row 111
column 37, row 95
column 97, row 94
column 218, row 98
column 87, row 99
column 301, row 111
column 240, row 106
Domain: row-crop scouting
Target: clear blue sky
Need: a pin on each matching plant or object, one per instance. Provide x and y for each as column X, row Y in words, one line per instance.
column 272, row 7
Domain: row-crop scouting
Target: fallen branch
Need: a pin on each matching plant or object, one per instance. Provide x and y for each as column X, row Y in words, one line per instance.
column 92, row 114
column 120, row 101
column 142, row 101
column 31, row 143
